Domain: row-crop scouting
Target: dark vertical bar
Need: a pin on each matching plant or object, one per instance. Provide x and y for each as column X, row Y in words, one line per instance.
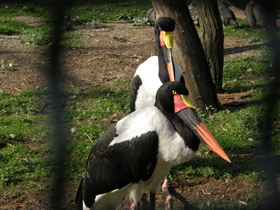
column 54, row 75
column 268, row 162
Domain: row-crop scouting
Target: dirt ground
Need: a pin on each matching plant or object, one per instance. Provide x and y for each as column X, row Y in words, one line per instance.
column 107, row 55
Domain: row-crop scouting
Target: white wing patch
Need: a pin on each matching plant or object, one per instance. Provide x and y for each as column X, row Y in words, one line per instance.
column 137, row 123
column 148, row 72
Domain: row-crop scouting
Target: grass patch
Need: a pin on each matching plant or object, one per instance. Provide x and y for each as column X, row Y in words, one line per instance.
column 36, row 35
column 28, row 103
column 244, row 31
column 109, row 11
column 13, row 10
column 19, row 128
column 22, row 116
column 10, row 27
column 22, row 127
column 20, row 165
column 247, row 72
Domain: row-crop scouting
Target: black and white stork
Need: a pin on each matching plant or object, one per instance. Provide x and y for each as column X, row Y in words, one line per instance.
column 155, row 71
column 136, row 154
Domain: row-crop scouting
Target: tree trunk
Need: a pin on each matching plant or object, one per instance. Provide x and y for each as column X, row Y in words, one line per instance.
column 212, row 38
column 188, row 53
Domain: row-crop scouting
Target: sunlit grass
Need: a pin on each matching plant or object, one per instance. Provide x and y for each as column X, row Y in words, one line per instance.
column 244, row 31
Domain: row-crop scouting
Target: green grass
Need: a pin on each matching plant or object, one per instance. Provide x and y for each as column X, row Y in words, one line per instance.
column 244, row 31
column 13, row 10
column 22, row 127
column 109, row 11
column 10, row 27
column 246, row 72
column 38, row 35
column 29, row 103
column 21, row 166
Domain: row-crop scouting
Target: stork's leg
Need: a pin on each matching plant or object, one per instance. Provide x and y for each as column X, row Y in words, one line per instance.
column 135, row 207
column 169, row 203
column 169, row 199
column 152, row 201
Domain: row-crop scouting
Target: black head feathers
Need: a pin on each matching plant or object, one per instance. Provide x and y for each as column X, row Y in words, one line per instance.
column 165, row 24
column 164, row 96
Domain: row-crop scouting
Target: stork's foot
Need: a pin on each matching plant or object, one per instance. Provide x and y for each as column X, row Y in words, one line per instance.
column 169, row 203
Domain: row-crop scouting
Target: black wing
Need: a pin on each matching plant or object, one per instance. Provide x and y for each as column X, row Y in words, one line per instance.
column 116, row 166
column 136, row 83
column 100, row 144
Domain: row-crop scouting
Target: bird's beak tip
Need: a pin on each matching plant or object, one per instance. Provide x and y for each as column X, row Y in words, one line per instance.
column 210, row 141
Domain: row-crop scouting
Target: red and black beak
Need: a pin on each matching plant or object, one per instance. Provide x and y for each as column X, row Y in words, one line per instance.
column 187, row 113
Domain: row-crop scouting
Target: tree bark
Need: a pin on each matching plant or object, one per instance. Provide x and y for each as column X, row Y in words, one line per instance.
column 212, row 38
column 188, row 53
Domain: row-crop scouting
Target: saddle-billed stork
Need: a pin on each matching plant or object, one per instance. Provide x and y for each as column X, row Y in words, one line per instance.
column 136, row 154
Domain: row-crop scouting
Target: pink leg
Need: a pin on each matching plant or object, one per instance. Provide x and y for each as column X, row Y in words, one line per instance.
column 164, row 186
column 169, row 203
column 133, row 206
column 169, row 199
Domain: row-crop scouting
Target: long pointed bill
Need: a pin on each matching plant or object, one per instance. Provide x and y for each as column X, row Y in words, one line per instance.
column 210, row 141
column 170, row 71
column 190, row 117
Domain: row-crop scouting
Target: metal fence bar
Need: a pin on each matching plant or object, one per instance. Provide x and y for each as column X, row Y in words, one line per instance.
column 267, row 162
column 54, row 77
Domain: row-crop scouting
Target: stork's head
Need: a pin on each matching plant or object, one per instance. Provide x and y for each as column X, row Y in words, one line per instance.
column 164, row 28
column 172, row 100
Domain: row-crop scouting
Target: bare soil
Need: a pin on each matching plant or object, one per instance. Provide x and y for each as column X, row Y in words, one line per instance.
column 108, row 55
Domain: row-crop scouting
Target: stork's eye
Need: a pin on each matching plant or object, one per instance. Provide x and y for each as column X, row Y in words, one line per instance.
column 174, row 92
